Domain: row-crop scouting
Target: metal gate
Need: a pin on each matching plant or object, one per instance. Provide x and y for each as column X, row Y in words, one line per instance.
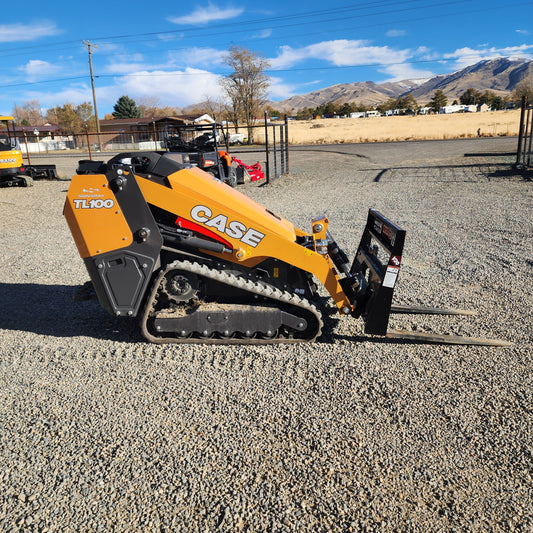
column 277, row 149
column 525, row 136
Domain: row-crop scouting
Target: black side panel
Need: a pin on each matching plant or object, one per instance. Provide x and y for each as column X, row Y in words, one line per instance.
column 121, row 277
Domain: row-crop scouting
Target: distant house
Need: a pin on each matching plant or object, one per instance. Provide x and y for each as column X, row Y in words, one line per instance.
column 359, row 114
column 482, row 108
column 42, row 138
column 424, row 110
column 48, row 129
column 202, row 119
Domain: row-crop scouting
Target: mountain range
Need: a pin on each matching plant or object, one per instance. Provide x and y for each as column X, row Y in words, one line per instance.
column 500, row 76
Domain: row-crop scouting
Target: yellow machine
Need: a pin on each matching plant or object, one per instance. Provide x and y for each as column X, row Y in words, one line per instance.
column 12, row 170
column 197, row 261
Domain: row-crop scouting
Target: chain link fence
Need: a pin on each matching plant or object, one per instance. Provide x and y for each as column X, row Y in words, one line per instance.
column 270, row 143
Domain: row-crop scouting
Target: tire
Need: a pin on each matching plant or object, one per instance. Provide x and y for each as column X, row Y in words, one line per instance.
column 27, row 181
column 231, row 180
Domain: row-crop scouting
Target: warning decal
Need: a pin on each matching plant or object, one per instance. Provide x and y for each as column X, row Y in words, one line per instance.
column 390, row 277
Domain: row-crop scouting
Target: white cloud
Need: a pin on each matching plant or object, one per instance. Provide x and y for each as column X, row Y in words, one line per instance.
column 187, row 57
column 263, row 34
column 197, row 56
column 75, row 94
column 468, row 56
column 396, row 33
column 206, row 14
column 405, row 71
column 344, row 53
column 36, row 69
column 10, row 33
column 279, row 89
column 523, row 32
column 426, row 54
column 340, row 53
column 125, row 67
column 178, row 88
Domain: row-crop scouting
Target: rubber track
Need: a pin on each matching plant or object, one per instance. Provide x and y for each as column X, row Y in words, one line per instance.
column 253, row 286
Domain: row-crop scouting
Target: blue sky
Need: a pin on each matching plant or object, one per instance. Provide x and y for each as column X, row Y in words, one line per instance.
column 171, row 53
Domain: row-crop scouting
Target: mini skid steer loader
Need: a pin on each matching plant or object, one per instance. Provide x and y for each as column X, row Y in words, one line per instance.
column 196, row 261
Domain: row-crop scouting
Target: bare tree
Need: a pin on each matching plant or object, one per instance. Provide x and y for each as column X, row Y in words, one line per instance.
column 246, row 86
column 212, row 106
column 29, row 114
column 151, row 107
column 523, row 89
column 208, row 106
column 73, row 118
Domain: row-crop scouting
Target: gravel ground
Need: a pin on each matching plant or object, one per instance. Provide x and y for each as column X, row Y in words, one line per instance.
column 100, row 431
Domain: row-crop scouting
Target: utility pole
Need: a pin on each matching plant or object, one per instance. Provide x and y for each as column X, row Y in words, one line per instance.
column 88, row 45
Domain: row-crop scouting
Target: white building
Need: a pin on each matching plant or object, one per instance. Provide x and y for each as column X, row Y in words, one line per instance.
column 457, row 108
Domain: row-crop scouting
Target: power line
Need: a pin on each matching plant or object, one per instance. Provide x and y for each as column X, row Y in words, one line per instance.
column 73, row 78
column 54, row 80
column 352, row 28
column 263, row 21
column 293, row 69
column 201, row 31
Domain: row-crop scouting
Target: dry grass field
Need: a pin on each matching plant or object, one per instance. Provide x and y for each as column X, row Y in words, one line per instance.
column 382, row 129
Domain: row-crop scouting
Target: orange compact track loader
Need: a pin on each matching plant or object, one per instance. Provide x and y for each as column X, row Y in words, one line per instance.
column 199, row 262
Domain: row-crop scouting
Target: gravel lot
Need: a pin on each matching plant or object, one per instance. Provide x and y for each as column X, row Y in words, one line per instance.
column 100, row 431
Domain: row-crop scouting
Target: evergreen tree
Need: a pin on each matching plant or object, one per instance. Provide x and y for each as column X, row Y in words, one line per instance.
column 439, row 100
column 346, row 109
column 389, row 105
column 126, row 108
column 471, row 97
column 407, row 104
column 329, row 108
column 497, row 103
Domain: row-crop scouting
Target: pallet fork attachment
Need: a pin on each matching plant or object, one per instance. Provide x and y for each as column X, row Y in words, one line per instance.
column 375, row 281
